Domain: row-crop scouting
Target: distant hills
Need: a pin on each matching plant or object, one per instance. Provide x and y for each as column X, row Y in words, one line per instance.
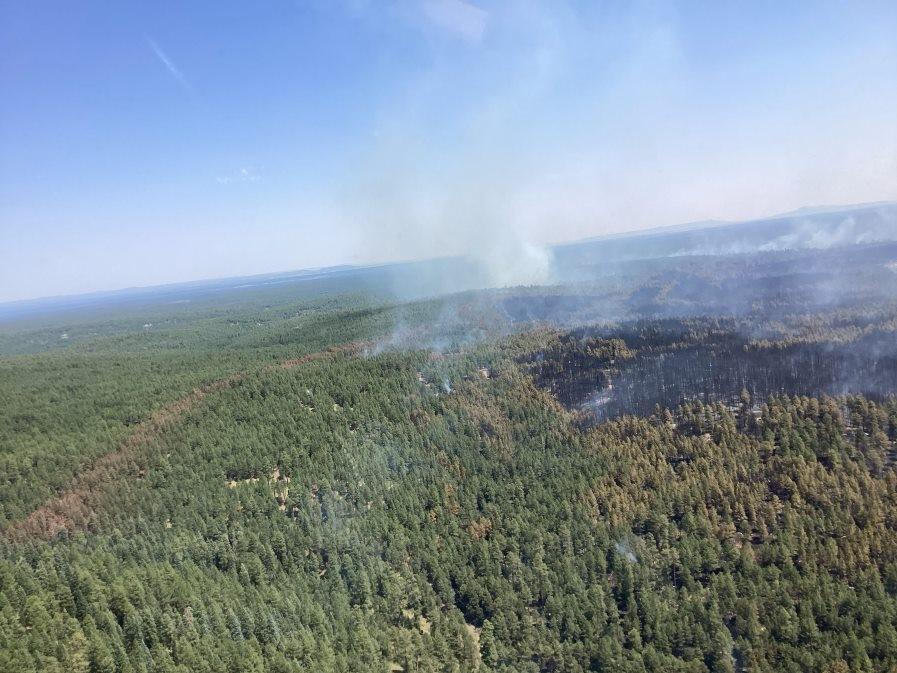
column 810, row 228
column 806, row 228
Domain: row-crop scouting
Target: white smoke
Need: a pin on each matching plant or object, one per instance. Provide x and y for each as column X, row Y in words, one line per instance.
column 550, row 122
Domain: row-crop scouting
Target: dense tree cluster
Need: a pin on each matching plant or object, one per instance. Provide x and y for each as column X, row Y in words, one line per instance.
column 62, row 409
column 420, row 512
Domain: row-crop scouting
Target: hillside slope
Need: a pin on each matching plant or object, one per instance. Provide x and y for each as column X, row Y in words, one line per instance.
column 351, row 513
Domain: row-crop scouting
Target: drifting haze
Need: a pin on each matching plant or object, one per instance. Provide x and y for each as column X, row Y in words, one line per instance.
column 235, row 141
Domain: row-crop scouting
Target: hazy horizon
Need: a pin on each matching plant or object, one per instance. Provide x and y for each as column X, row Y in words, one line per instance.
column 670, row 228
column 143, row 148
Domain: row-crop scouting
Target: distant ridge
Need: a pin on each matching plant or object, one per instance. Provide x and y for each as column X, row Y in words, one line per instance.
column 812, row 227
column 697, row 225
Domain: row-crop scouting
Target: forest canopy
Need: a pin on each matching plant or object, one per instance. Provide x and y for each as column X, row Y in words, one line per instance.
column 334, row 482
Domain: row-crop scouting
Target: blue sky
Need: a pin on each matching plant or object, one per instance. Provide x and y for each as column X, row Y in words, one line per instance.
column 158, row 142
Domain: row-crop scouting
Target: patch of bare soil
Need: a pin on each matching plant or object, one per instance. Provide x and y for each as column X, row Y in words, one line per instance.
column 349, row 348
column 73, row 508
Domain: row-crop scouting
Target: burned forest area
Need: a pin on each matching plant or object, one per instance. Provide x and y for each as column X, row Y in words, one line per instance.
column 646, row 365
column 680, row 455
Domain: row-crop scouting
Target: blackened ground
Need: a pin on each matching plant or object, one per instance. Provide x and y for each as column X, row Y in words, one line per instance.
column 671, row 365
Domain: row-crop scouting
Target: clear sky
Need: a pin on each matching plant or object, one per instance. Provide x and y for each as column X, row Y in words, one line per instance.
column 152, row 142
